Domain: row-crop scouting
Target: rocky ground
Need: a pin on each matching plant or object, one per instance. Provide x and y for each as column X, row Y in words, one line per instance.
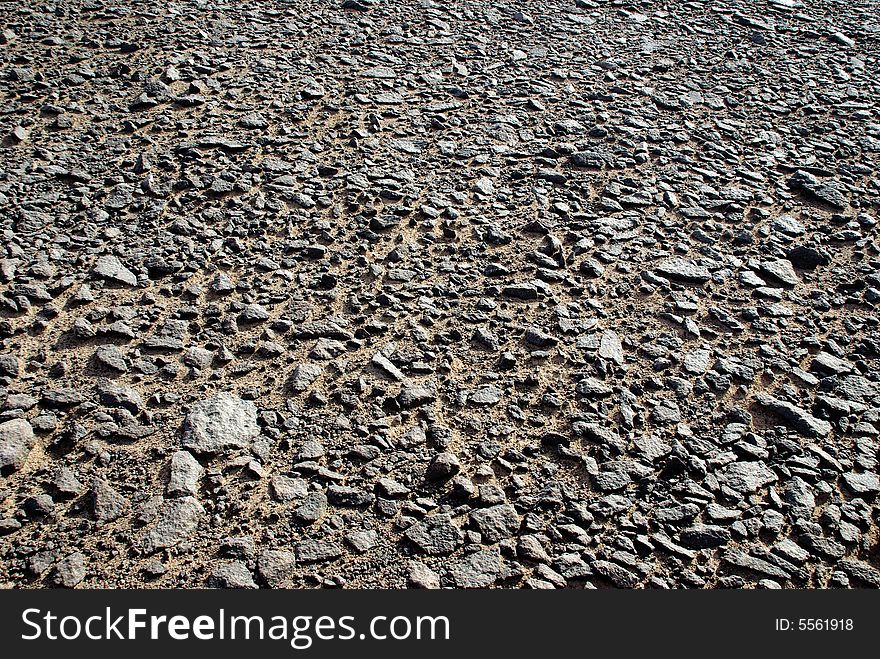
column 388, row 294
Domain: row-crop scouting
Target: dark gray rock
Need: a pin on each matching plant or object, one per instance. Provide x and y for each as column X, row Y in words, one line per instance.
column 496, row 522
column 478, row 570
column 794, row 416
column 435, row 535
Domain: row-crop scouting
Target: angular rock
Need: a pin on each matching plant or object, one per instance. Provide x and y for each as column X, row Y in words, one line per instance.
column 496, row 522
column 220, row 423
column 110, row 268
column 176, row 520
column 185, row 474
column 16, row 441
column 795, row 417
column 435, row 535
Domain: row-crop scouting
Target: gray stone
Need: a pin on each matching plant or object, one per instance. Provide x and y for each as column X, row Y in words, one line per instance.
column 285, row 488
column 185, row 472
column 496, row 523
column 362, row 541
column 111, row 357
column 220, row 423
column 860, row 571
column 312, row 508
column 16, row 441
column 488, row 395
column 304, row 375
column 443, row 467
column 747, row 477
column 71, row 571
column 704, row 536
column 107, row 503
column 478, row 570
column 110, row 268
column 799, row 497
column 234, row 574
column 781, row 270
column 9, row 366
column 415, row 396
column 740, row 559
column 421, row 576
column 862, row 484
column 794, row 416
column 176, row 520
column 616, row 574
column 276, row 567
column 317, row 551
column 684, row 270
column 435, row 535
column 610, row 347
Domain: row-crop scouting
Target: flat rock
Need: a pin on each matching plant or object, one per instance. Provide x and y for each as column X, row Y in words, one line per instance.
column 684, row 270
column 110, row 268
column 435, row 535
column 747, row 477
column 16, row 441
column 795, row 417
column 220, row 423
column 478, row 570
column 496, row 522
column 177, row 520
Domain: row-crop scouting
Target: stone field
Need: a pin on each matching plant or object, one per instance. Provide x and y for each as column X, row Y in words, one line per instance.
column 389, row 294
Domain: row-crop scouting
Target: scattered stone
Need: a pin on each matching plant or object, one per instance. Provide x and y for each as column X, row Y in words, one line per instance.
column 70, row 571
column 107, row 503
column 421, row 576
column 684, row 270
column 277, row 568
column 478, row 570
column 794, row 416
column 496, row 522
column 747, row 477
column 317, row 551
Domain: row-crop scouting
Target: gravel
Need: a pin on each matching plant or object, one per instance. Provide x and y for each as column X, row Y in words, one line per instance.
column 390, row 294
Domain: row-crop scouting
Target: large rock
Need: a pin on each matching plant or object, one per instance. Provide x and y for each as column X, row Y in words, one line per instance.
column 496, row 523
column 220, row 423
column 276, row 567
column 684, row 270
column 110, row 268
column 185, row 472
column 177, row 520
column 16, row 441
column 435, row 535
column 794, row 417
column 304, row 375
column 231, row 575
column 747, row 477
column 478, row 570
column 107, row 503
column 70, row 571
